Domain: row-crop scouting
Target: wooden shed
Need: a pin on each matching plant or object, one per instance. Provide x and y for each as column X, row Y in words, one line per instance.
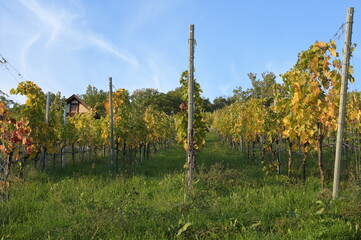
column 76, row 105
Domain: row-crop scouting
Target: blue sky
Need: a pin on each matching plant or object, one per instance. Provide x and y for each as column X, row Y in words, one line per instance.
column 65, row 45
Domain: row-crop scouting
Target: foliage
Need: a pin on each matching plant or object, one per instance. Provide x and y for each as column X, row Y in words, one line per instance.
column 221, row 102
column 312, row 88
column 95, row 99
column 14, row 135
column 263, row 89
column 87, row 129
column 199, row 125
column 159, row 125
column 4, row 98
column 163, row 102
column 34, row 112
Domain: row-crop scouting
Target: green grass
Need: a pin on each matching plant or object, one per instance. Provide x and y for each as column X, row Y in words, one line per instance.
column 232, row 199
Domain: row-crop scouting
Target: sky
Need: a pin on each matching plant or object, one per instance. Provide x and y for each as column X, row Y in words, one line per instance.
column 66, row 45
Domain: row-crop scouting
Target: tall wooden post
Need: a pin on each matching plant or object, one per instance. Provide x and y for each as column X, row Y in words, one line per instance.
column 112, row 161
column 47, row 108
column 64, row 116
column 47, row 122
column 63, row 158
column 190, row 136
column 343, row 98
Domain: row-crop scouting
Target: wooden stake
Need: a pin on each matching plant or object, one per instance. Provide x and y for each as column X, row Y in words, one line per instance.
column 111, row 123
column 63, row 158
column 64, row 116
column 190, row 137
column 343, row 97
column 47, row 108
column 47, row 122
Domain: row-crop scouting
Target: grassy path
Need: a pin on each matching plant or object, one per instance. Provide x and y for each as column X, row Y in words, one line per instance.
column 232, row 199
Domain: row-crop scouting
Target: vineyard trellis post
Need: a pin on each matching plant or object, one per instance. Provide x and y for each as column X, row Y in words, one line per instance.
column 47, row 122
column 63, row 149
column 112, row 161
column 64, row 116
column 343, row 98
column 47, row 108
column 190, row 132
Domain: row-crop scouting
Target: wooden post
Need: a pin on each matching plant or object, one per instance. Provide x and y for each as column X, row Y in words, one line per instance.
column 47, row 122
column 141, row 152
column 279, row 142
column 47, row 108
column 343, row 97
column 64, row 114
column 63, row 158
column 190, row 136
column 111, row 123
column 241, row 144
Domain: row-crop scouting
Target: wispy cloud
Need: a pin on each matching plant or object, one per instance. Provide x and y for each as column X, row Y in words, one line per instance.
column 60, row 24
column 55, row 21
column 224, row 89
column 28, row 44
column 269, row 66
column 235, row 75
column 156, row 82
column 108, row 47
column 150, row 10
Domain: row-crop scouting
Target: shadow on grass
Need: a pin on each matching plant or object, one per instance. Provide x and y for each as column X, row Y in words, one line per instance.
column 164, row 162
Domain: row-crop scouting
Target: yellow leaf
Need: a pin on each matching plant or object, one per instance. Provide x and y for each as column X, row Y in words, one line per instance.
column 286, row 133
column 302, row 80
column 295, row 98
column 297, row 86
column 314, row 84
column 328, row 74
column 333, row 52
column 314, row 64
column 316, row 92
column 320, row 44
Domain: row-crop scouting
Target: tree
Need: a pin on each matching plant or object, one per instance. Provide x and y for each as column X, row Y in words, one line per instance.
column 95, row 99
column 239, row 95
column 143, row 98
column 263, row 89
column 221, row 102
column 175, row 100
column 207, row 105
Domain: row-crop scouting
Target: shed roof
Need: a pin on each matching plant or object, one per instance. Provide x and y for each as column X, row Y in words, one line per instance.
column 74, row 96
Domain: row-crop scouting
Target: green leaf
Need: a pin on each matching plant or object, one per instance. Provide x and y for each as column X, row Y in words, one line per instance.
column 319, row 212
column 256, row 224
column 184, row 228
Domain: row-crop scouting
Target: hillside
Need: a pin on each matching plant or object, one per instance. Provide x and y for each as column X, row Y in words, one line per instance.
column 232, row 199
